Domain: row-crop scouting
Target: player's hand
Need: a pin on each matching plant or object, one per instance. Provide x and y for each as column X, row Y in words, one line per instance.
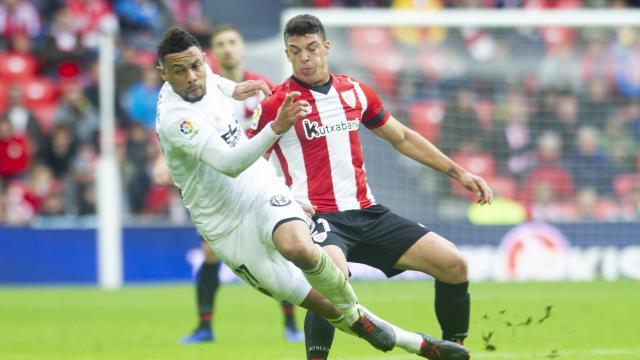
column 250, row 88
column 309, row 210
column 289, row 112
column 161, row 175
column 478, row 186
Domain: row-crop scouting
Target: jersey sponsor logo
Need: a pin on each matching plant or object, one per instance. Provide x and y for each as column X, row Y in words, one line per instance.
column 349, row 98
column 255, row 119
column 279, row 200
column 314, row 130
column 187, row 129
column 232, row 135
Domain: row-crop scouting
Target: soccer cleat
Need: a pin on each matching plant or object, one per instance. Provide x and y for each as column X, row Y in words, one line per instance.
column 293, row 335
column 199, row 336
column 435, row 349
column 375, row 331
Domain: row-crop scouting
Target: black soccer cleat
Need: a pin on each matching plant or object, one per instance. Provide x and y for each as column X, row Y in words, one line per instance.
column 435, row 349
column 375, row 331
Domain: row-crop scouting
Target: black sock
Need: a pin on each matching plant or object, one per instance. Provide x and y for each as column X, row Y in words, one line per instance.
column 289, row 318
column 206, row 289
column 318, row 336
column 453, row 309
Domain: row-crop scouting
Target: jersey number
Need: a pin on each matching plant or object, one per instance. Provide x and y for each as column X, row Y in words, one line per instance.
column 320, row 234
column 243, row 272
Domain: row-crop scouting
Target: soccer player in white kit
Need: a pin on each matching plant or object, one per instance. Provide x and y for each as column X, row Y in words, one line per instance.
column 239, row 205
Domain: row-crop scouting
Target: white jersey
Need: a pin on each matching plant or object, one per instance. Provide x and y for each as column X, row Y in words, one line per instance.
column 217, row 202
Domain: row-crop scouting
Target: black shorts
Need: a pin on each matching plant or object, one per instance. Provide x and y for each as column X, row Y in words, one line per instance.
column 374, row 236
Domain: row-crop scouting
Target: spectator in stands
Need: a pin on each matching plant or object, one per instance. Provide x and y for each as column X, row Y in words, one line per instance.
column 632, row 117
column 460, row 121
column 62, row 44
column 22, row 119
column 136, row 178
column 189, row 15
column 588, row 163
column 77, row 111
column 619, row 146
column 548, row 170
column 18, row 17
column 15, row 152
column 626, row 58
column 140, row 99
column 89, row 18
column 630, row 204
column 563, row 119
column 558, row 70
column 597, row 107
column 513, row 142
column 81, row 192
column 141, row 21
column 59, row 150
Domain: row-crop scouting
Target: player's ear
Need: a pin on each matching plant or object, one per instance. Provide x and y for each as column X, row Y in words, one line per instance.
column 286, row 53
column 327, row 46
column 162, row 72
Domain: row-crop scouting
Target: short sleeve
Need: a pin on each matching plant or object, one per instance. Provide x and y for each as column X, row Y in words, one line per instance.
column 185, row 129
column 375, row 115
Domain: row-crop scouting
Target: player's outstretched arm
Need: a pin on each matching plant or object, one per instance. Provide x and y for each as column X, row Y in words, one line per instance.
column 233, row 161
column 416, row 147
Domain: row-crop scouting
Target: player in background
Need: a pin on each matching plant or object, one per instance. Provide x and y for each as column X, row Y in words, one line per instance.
column 322, row 161
column 227, row 49
column 244, row 210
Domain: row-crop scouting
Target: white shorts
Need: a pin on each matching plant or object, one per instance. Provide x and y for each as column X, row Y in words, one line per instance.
column 250, row 253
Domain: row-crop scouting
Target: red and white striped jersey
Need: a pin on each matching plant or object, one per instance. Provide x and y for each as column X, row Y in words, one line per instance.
column 321, row 156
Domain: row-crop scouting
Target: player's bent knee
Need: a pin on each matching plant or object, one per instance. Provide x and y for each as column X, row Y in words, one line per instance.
column 456, row 270
column 294, row 243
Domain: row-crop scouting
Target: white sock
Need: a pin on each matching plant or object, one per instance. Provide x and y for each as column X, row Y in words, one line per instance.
column 407, row 340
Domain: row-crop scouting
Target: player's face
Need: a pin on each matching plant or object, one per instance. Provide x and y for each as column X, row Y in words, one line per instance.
column 185, row 71
column 308, row 55
column 228, row 48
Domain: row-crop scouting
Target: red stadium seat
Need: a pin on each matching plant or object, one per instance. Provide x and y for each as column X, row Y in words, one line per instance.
column 623, row 184
column 157, row 200
column 39, row 91
column 425, row 118
column 607, row 209
column 16, row 67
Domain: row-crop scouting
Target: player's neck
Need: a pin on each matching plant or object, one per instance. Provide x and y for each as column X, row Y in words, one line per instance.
column 234, row 74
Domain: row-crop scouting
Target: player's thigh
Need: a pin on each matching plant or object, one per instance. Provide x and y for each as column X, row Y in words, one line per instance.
column 436, row 256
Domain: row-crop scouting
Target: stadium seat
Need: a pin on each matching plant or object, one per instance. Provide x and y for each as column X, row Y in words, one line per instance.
column 607, row 209
column 370, row 45
column 39, row 91
column 623, row 184
column 425, row 118
column 17, row 67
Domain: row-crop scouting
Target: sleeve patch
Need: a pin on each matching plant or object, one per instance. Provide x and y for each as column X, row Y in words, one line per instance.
column 255, row 119
column 187, row 129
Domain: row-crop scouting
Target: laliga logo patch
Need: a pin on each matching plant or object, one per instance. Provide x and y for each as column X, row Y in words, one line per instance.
column 255, row 119
column 280, row 200
column 187, row 129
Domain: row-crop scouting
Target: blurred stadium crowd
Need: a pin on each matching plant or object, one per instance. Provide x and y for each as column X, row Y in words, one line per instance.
column 550, row 117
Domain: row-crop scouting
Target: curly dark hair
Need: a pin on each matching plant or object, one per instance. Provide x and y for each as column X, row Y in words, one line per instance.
column 174, row 40
column 301, row 25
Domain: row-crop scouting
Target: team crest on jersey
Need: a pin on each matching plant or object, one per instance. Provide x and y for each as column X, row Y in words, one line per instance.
column 279, row 200
column 255, row 118
column 187, row 129
column 349, row 97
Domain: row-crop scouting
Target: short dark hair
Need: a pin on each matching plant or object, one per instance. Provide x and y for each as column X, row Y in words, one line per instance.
column 301, row 25
column 175, row 40
column 222, row 28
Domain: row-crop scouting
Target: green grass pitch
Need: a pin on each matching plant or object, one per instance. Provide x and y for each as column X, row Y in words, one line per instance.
column 590, row 320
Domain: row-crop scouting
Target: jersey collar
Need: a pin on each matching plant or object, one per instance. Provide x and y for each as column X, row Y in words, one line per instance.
column 324, row 88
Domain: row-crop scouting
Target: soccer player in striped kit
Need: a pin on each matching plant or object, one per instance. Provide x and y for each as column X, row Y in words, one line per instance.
column 321, row 159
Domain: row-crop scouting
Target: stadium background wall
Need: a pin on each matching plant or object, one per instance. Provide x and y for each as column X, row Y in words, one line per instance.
column 530, row 251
